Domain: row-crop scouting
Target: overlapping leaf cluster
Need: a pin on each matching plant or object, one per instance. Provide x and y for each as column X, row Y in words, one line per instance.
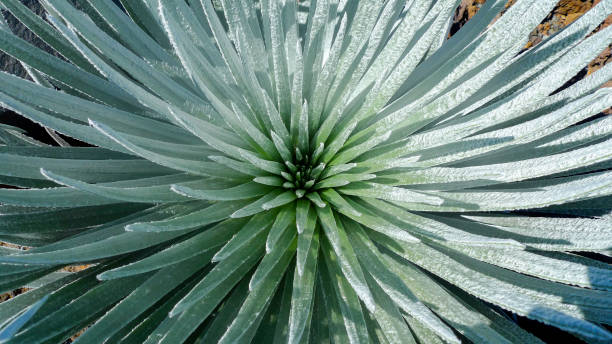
column 327, row 171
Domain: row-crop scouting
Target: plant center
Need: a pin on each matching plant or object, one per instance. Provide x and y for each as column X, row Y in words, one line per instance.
column 301, row 174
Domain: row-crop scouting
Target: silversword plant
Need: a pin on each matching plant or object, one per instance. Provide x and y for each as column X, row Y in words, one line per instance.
column 331, row 171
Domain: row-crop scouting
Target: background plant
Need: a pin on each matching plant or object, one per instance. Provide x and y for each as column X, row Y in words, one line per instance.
column 336, row 171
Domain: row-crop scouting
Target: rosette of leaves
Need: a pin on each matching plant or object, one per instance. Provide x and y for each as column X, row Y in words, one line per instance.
column 320, row 172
